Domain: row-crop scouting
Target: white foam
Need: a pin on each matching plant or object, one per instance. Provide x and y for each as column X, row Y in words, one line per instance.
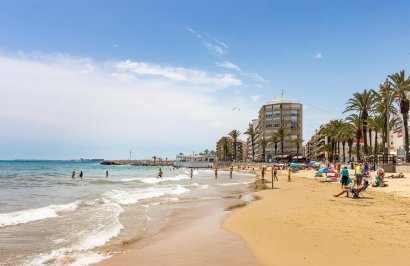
column 199, row 186
column 228, row 184
column 133, row 196
column 31, row 215
column 80, row 250
column 154, row 180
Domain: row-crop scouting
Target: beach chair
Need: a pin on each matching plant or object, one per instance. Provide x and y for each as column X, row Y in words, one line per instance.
column 356, row 193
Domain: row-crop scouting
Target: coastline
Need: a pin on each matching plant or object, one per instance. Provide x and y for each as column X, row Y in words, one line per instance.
column 301, row 223
column 195, row 237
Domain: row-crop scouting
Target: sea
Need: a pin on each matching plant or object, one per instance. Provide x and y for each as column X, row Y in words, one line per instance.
column 49, row 218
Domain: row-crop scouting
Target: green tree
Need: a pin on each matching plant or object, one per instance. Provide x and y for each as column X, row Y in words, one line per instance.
column 298, row 142
column 401, row 88
column 263, row 143
column 363, row 104
column 275, row 140
column 356, row 121
column 281, row 136
column 234, row 134
column 251, row 133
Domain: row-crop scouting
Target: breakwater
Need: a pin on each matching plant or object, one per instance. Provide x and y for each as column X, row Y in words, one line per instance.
column 137, row 162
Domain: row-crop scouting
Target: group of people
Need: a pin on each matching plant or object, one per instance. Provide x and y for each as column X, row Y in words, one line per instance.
column 73, row 174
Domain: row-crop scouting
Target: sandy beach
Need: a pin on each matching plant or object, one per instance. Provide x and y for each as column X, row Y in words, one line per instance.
column 301, row 223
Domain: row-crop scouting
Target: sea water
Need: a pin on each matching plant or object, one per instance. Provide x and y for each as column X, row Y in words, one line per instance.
column 49, row 218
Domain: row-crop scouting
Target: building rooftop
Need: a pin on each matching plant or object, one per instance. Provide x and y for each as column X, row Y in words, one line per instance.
column 280, row 100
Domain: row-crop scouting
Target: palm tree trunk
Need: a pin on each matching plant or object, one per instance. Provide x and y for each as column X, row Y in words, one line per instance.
column 370, row 136
column 344, row 154
column 358, row 147
column 350, row 143
column 253, row 148
column 375, row 148
column 406, row 135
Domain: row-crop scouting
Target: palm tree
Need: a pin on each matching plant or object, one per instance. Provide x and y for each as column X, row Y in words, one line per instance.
column 401, row 88
column 281, row 136
column 384, row 105
column 346, row 134
column 263, row 143
column 327, row 148
column 155, row 158
column 251, row 133
column 356, row 121
column 234, row 134
column 377, row 125
column 298, row 141
column 275, row 140
column 362, row 103
column 224, row 144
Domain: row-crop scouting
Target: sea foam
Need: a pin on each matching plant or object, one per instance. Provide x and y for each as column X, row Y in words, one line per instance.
column 31, row 215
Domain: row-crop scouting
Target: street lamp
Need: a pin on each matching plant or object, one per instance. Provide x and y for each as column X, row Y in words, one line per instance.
column 387, row 144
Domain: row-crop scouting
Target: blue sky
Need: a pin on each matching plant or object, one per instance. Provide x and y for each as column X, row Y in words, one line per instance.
column 98, row 78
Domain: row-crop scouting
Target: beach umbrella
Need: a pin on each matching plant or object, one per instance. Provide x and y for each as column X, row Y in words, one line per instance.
column 294, row 165
column 316, row 164
column 312, row 162
column 326, row 170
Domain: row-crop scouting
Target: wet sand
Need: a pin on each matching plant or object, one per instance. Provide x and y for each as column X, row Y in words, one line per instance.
column 196, row 239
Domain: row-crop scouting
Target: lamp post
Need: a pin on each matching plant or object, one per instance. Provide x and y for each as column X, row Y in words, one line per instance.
column 387, row 144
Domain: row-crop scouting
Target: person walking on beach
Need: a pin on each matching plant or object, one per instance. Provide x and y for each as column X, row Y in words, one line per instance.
column 192, row 172
column 275, row 173
column 73, row 175
column 359, row 174
column 230, row 172
column 81, row 174
column 345, row 177
column 216, row 173
column 263, row 173
column 106, row 173
column 160, row 173
column 289, row 174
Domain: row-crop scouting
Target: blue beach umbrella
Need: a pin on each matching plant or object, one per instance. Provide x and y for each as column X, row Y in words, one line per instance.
column 325, row 170
column 312, row 162
column 294, row 165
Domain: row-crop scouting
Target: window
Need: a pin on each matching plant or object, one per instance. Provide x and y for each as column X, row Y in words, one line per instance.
column 276, row 125
column 268, row 107
column 268, row 125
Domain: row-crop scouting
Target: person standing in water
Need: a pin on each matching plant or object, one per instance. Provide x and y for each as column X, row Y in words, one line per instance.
column 192, row 172
column 81, row 174
column 106, row 173
column 73, row 175
column 216, row 173
column 230, row 172
column 160, row 173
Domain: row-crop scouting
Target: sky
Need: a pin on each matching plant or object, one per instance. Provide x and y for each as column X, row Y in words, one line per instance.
column 98, row 78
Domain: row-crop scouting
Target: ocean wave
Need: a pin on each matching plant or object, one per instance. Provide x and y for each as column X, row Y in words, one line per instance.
column 199, row 186
column 154, row 180
column 31, row 215
column 79, row 253
column 133, row 196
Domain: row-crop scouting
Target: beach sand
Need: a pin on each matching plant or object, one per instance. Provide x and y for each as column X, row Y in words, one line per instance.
column 301, row 223
column 196, row 239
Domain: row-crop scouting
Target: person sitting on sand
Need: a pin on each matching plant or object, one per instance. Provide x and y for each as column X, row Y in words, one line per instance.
column 355, row 188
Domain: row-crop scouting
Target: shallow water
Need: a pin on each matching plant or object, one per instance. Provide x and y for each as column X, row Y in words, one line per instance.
column 48, row 218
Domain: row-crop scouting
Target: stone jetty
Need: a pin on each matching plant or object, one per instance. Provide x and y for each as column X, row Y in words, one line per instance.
column 137, row 162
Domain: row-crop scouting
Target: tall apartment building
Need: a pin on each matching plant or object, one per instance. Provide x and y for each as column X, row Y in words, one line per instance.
column 275, row 115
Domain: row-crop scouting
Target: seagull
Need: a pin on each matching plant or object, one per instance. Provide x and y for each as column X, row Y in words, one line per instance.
column 236, row 108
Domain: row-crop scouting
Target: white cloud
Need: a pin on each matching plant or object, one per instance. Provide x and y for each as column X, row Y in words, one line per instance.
column 54, row 104
column 179, row 74
column 230, row 65
column 213, row 45
column 255, row 97
column 318, row 56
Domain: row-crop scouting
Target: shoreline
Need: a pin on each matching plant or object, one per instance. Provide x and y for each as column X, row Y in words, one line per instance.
column 194, row 238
